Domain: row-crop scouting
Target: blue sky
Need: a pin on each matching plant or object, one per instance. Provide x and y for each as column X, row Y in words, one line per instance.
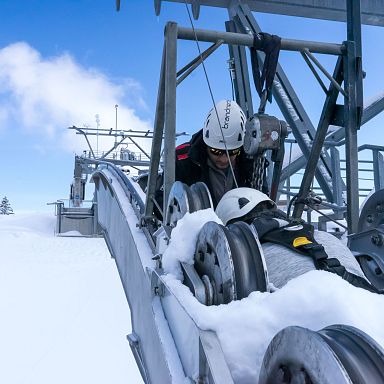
column 63, row 62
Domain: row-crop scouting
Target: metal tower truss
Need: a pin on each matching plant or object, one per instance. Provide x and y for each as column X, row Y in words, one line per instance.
column 229, row 262
column 289, row 103
column 372, row 11
column 320, row 156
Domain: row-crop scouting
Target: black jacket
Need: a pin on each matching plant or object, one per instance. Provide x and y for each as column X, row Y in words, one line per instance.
column 191, row 164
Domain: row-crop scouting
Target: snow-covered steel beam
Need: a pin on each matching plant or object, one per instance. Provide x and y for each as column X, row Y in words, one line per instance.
column 373, row 109
column 372, row 11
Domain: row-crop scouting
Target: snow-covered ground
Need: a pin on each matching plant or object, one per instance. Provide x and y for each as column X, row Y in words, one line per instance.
column 64, row 317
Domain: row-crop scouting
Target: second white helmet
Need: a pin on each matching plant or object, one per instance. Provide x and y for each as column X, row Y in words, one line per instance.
column 238, row 202
column 232, row 126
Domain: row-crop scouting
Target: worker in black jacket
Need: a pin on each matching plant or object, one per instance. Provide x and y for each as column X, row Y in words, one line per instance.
column 215, row 154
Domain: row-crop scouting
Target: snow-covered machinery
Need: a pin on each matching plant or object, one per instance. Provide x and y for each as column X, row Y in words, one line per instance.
column 169, row 340
column 230, row 263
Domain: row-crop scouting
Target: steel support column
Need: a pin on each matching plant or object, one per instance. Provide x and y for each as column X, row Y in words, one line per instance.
column 170, row 109
column 353, row 107
column 336, row 177
column 352, row 164
column 77, row 184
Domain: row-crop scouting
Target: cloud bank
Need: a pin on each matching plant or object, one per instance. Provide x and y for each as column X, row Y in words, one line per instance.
column 44, row 96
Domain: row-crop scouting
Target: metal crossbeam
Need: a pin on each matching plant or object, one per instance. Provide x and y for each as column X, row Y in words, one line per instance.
column 372, row 11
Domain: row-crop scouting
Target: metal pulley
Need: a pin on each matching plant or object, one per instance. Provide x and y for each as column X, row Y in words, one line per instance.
column 184, row 198
column 263, row 132
column 230, row 262
column 338, row 354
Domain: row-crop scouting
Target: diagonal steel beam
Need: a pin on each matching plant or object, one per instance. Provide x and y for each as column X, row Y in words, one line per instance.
column 318, row 142
column 372, row 110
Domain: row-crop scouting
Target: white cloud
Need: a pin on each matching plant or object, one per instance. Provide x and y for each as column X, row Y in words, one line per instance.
column 46, row 95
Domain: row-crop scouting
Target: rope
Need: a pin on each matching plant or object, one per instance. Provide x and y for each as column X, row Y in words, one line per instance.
column 210, row 91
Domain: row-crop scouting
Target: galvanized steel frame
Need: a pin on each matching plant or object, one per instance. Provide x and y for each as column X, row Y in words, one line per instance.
column 165, row 120
column 288, row 101
column 348, row 70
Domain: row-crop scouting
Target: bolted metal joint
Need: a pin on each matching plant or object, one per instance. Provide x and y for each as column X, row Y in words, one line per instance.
column 157, row 286
column 377, row 240
column 157, row 259
column 158, row 290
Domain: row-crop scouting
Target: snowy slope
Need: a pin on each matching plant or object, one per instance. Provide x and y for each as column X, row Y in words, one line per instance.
column 64, row 317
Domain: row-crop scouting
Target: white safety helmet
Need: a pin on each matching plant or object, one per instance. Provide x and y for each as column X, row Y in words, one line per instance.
column 232, row 121
column 238, row 202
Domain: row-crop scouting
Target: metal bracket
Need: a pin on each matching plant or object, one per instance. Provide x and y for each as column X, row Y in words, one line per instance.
column 194, row 283
column 134, row 343
column 157, row 286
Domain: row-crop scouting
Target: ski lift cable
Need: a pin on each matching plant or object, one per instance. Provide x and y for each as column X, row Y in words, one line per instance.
column 210, row 91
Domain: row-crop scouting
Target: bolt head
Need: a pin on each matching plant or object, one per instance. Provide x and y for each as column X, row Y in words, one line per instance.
column 377, row 240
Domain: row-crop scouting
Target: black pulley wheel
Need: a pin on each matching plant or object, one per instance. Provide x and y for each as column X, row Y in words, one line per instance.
column 201, row 196
column 213, row 259
column 361, row 356
column 183, row 199
column 338, row 354
column 232, row 260
column 248, row 260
